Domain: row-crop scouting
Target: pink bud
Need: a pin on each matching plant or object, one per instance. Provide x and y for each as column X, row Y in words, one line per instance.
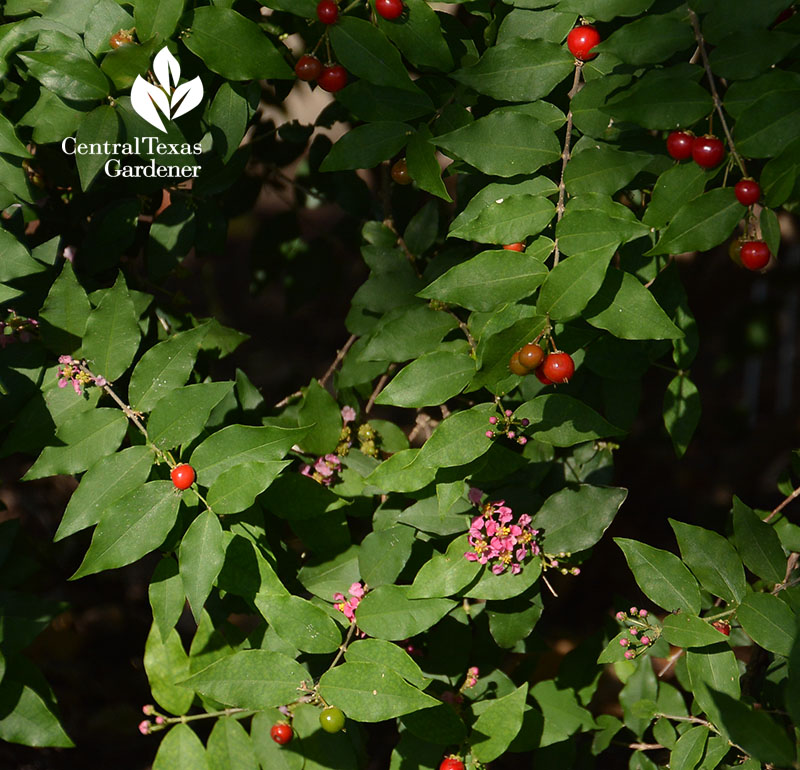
column 511, row 434
column 159, row 720
column 522, row 441
column 148, row 709
column 489, row 434
column 493, row 420
column 144, row 727
column 509, row 413
column 633, row 631
column 642, row 613
column 645, row 640
column 623, row 642
column 629, row 655
column 634, row 611
column 620, row 616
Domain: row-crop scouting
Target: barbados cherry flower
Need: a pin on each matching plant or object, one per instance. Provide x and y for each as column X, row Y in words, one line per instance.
column 17, row 328
column 498, row 541
column 642, row 632
column 323, row 470
column 72, row 371
column 348, row 606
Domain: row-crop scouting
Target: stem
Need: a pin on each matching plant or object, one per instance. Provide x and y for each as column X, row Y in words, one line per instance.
column 378, row 388
column 464, row 328
column 698, row 36
column 343, row 646
column 671, row 661
column 565, row 155
column 794, row 494
column 339, row 356
column 127, row 410
column 725, row 614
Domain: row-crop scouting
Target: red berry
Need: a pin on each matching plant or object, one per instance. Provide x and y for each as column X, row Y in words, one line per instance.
column 708, row 151
column 400, row 172
column 121, row 38
column 451, row 763
column 754, row 254
column 679, row 145
column 182, row 476
column 539, row 372
column 281, row 733
column 581, row 40
column 514, row 247
column 516, row 366
column 308, row 67
column 723, row 627
column 333, row 78
column 531, row 355
column 748, row 191
column 327, row 11
column 558, row 367
column 389, row 9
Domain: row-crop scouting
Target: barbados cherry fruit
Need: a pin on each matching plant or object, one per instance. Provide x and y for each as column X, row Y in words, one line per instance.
column 708, row 151
column 754, row 254
column 182, row 476
column 451, row 763
column 333, row 78
column 748, row 191
column 558, row 367
column 581, row 40
column 389, row 9
column 327, row 11
column 281, row 733
column 516, row 366
column 722, row 626
column 540, row 375
column 331, row 719
column 531, row 355
column 679, row 145
column 121, row 38
column 308, row 68
column 400, row 172
column 514, row 247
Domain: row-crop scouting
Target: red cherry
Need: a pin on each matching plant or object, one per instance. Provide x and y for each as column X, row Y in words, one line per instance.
column 281, row 733
column 723, row 627
column 327, row 11
column 400, row 172
column 451, row 763
column 333, row 78
column 679, row 145
column 308, row 68
column 754, row 254
column 121, row 38
column 517, row 367
column 540, row 375
column 748, row 191
column 182, row 476
column 708, row 151
column 514, row 247
column 558, row 367
column 531, row 355
column 389, row 9
column 581, row 40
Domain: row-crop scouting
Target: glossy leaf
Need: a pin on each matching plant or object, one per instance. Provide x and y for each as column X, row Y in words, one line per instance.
column 181, row 749
column 758, row 544
column 446, row 573
column 432, row 379
column 366, row 146
column 571, row 284
column 459, row 439
column 180, row 416
column 685, row 630
column 681, row 412
column 383, row 554
column 167, row 597
column 769, row 622
column 229, row 746
column 301, row 623
column 388, row 612
column 689, row 749
column 563, row 420
column 388, row 655
column 166, row 663
column 236, row 489
column 201, row 555
column 498, row 725
column 320, row 410
column 157, row 17
column 72, row 76
column 712, row 668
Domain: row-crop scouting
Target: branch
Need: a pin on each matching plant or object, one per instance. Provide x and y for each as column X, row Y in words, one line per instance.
column 794, row 494
column 339, row 356
column 464, row 328
column 378, row 388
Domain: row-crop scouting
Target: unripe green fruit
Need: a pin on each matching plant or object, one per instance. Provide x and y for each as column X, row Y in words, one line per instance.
column 331, row 719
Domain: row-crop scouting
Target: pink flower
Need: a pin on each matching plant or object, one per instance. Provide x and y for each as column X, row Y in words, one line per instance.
column 159, row 720
column 348, row 414
column 62, row 383
column 148, row 709
column 100, row 381
column 516, row 569
column 475, row 495
column 144, row 727
column 65, row 359
column 356, row 590
column 524, row 520
column 338, row 597
column 305, row 470
column 642, row 613
column 645, row 640
column 498, row 569
column 620, row 616
column 629, row 655
column 471, row 556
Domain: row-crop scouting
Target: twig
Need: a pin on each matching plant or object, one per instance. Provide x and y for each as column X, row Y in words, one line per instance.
column 288, row 399
column 794, row 494
column 378, row 388
column 132, row 415
column 645, row 746
column 339, row 356
column 671, row 660
column 791, row 563
column 343, row 645
column 464, row 328
column 698, row 36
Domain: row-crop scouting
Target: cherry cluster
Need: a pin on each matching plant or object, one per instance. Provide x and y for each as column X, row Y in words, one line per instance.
column 554, row 368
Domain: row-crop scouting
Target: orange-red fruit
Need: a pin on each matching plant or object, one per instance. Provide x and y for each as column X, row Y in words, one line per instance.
column 451, row 763
column 516, row 366
column 182, row 476
column 708, row 151
column 333, row 78
column 121, row 38
column 754, row 254
column 531, row 355
column 281, row 733
column 400, row 172
column 679, row 145
column 308, row 67
column 558, row 367
column 514, row 247
column 723, row 627
column 327, row 11
column 389, row 9
column 541, row 376
column 747, row 191
column 581, row 40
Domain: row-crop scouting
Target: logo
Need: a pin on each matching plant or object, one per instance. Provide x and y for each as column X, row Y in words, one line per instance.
column 147, row 99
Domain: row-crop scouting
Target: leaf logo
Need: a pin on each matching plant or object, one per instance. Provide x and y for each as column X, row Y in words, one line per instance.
column 147, row 99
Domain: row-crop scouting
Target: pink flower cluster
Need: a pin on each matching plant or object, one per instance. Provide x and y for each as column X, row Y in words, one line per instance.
column 497, row 541
column 73, row 371
column 637, row 623
column 323, row 469
column 472, row 678
column 348, row 606
column 17, row 328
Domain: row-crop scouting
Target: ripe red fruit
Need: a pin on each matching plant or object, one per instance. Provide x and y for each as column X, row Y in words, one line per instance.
column 281, row 733
column 333, row 78
column 723, row 627
column 514, row 247
column 581, row 40
column 679, row 145
column 558, row 367
column 531, row 355
column 121, row 38
column 389, row 9
column 754, row 254
column 182, row 476
column 327, row 11
column 540, row 375
column 748, row 191
column 708, row 151
column 451, row 763
column 308, row 68
column 400, row 172
column 516, row 366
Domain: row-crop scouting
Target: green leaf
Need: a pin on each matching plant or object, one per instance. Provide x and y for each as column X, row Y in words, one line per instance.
column 423, row 166
column 228, row 115
column 575, row 519
column 72, row 76
column 769, row 125
column 749, row 52
column 506, row 586
column 301, row 623
column 388, row 655
column 201, row 555
column 662, row 576
column 364, row 51
column 769, row 622
column 366, row 146
column 498, row 725
column 373, row 102
column 167, row 597
column 563, row 716
column 236, row 444
column 251, row 679
column 512, row 621
column 605, row 10
column 65, row 312
column 649, row 40
column 101, row 126
column 229, row 746
column 233, row 46
column 681, row 411
column 164, row 367
column 369, row 692
column 505, row 220
column 103, row 485
column 236, row 489
column 320, row 409
column 407, row 332
column 446, row 573
column 419, row 36
column 325, row 577
column 684, row 630
column 758, row 544
column 17, row 261
column 389, row 613
column 181, row 749
column 436, row 726
column 571, row 284
column 713, row 560
column 689, row 749
column 297, row 497
column 180, row 416
column 430, row 380
column 712, row 667
column 564, row 421
column 602, row 170
column 9, row 143
column 503, row 144
column 383, row 554
column 401, row 473
column 157, row 17
column 628, row 310
column 112, row 333
column 678, row 184
column 131, row 527
column 459, row 439
column 166, row 663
